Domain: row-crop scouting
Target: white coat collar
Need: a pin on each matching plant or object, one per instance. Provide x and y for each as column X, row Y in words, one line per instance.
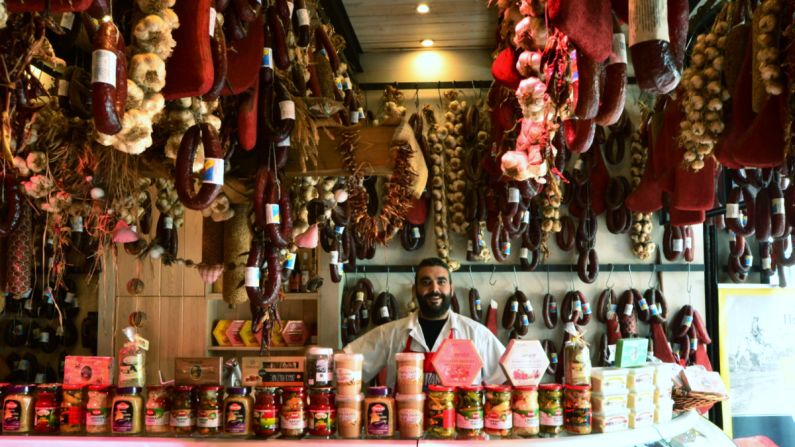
column 415, row 330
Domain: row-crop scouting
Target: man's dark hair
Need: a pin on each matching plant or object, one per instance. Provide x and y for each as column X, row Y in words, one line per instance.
column 431, row 262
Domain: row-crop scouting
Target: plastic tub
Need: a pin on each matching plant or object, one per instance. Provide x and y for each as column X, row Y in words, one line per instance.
column 641, row 378
column 642, row 418
column 641, row 400
column 663, row 375
column 608, row 423
column 661, row 394
column 607, row 380
column 664, row 411
column 609, row 403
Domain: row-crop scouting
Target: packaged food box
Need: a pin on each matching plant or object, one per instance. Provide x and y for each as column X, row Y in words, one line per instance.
column 295, row 333
column 457, row 362
column 641, row 418
column 609, row 403
column 524, row 362
column 198, row 370
column 664, row 411
column 697, row 378
column 641, row 378
column 631, row 352
column 219, row 333
column 606, row 380
column 88, row 370
column 273, row 371
column 608, row 423
column 641, row 400
column 661, row 394
column 664, row 374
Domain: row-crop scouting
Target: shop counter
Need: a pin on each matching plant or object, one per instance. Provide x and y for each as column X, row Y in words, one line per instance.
column 689, row 429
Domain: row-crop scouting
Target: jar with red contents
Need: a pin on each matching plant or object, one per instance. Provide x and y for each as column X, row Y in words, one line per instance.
column 266, row 412
column 292, row 420
column 47, row 409
column 322, row 417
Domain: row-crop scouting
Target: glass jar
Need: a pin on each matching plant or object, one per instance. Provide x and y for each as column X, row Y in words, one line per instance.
column 497, row 411
column 183, row 410
column 72, row 409
column 319, row 366
column 550, row 408
column 348, row 369
column 126, row 411
column 98, row 409
column 208, row 415
column 410, row 415
column 379, row 409
column 158, row 410
column 292, row 417
column 18, row 409
column 266, row 412
column 47, row 409
column 577, row 409
column 237, row 412
column 524, row 405
column 469, row 412
column 322, row 417
column 349, row 415
column 441, row 412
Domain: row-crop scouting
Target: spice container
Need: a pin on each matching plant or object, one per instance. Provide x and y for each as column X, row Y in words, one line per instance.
column 410, row 412
column 157, row 412
column 409, row 372
column 183, row 410
column 72, row 409
column 550, row 408
column 237, row 412
column 292, row 417
column 497, row 411
column 441, row 412
column 208, row 414
column 348, row 368
column 469, row 412
column 266, row 412
column 577, row 363
column 577, row 409
column 322, row 417
column 47, row 409
column 18, row 409
column 524, row 405
column 319, row 366
column 379, row 411
column 126, row 411
column 98, row 409
column 349, row 415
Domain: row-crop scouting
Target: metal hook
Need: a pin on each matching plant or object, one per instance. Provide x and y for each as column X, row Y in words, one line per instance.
column 493, row 269
column 571, row 278
column 515, row 279
column 547, row 278
column 631, row 283
column 387, row 278
column 608, row 285
column 651, row 277
column 471, row 279
column 689, row 285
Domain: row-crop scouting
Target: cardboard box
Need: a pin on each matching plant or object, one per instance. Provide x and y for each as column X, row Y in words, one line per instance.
column 524, row 362
column 457, row 362
column 631, row 352
column 198, row 370
column 273, row 371
column 87, row 370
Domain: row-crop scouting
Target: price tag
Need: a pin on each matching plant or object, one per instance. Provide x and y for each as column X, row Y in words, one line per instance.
column 252, row 276
column 287, row 109
column 513, row 195
column 213, row 15
column 267, row 58
column 767, row 263
column 678, row 244
column 778, row 206
column 103, row 67
column 688, row 243
column 213, row 171
column 272, row 214
column 335, row 257
column 384, row 312
column 524, row 253
column 527, row 306
column 628, row 309
column 415, row 233
column 732, row 210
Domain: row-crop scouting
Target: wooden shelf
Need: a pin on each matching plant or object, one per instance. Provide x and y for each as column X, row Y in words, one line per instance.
column 255, row 348
column 314, row 296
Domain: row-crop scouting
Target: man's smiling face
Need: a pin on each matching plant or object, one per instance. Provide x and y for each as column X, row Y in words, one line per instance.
column 434, row 292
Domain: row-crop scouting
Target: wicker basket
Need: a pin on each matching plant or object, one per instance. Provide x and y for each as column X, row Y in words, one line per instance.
column 685, row 400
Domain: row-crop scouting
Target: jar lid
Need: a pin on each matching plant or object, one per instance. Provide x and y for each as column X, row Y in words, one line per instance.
column 238, row 390
column 211, row 388
column 184, row 388
column 348, row 356
column 345, row 398
column 525, row 388
column 19, row 389
column 71, row 387
column 52, row 387
column 129, row 390
column 409, row 356
column 442, row 388
column 379, row 391
column 293, row 389
column 499, row 388
column 107, row 388
column 319, row 350
column 578, row 387
column 322, row 390
column 550, row 386
column 409, row 397
column 267, row 389
column 470, row 389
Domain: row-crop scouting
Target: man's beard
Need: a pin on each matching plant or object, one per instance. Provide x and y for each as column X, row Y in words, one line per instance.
column 430, row 310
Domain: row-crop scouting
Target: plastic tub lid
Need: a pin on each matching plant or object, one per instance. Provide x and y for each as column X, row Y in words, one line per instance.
column 348, row 356
column 409, row 397
column 379, row 391
column 345, row 398
column 409, row 356
column 319, row 350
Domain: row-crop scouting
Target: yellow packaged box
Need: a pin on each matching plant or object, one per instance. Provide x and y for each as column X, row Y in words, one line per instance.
column 641, row 378
column 642, row 418
column 664, row 411
column 608, row 423
column 608, row 380
column 609, row 403
column 641, row 400
column 198, row 370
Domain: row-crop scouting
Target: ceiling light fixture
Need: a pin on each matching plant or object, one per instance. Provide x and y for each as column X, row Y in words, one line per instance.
column 426, row 43
column 423, row 8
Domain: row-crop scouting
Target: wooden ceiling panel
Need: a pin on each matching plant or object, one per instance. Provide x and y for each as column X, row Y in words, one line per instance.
column 392, row 25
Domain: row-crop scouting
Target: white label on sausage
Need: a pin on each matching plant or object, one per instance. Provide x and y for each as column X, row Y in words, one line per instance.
column 213, row 171
column 346, row 83
column 687, row 320
column 586, row 308
column 525, row 320
column 103, row 67
column 528, row 307
column 766, row 263
column 613, row 307
column 284, row 143
column 513, row 195
column 290, row 7
column 213, row 14
column 642, row 304
column 578, row 164
column 415, row 232
column 748, row 260
column 732, row 210
column 619, row 54
column 469, row 245
column 44, row 337
column 365, row 313
column 648, row 20
column 70, row 298
column 28, row 304
column 289, row 263
column 335, row 257
column 688, row 243
column 514, row 306
column 272, row 214
column 361, row 112
column 267, row 58
column 778, row 206
column 477, row 305
column 168, row 223
column 654, row 310
column 384, row 312
column 628, row 309
column 339, row 229
column 303, row 17
column 360, row 296
column 678, row 244
column 354, row 116
column 287, row 109
column 67, row 20
column 525, row 217
column 40, row 378
column 63, row 87
column 732, row 236
column 252, row 277
column 524, row 252
column 577, row 306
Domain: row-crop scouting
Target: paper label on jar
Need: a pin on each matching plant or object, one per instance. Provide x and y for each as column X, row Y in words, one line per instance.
column 628, row 309
column 213, row 16
column 235, row 418
column 123, row 416
column 267, row 58
column 348, row 376
column 292, row 420
column 648, row 20
column 265, row 420
column 287, row 109
column 209, row 419
column 619, row 54
column 12, row 411
column 156, row 417
column 323, row 420
column 348, row 415
column 103, row 67
column 303, row 16
column 97, row 416
column 252, row 276
column 472, row 421
column 272, row 214
column 384, row 312
column 777, row 206
column 410, row 416
column 213, row 171
column 513, row 195
column 525, row 419
column 182, row 418
column 499, row 421
column 46, row 417
column 552, row 420
column 732, row 210
column 377, row 419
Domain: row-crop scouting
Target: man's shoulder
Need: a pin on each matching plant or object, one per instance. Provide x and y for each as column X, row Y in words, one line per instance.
column 396, row 325
column 471, row 325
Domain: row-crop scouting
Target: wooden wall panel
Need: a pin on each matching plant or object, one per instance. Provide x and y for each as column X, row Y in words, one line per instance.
column 192, row 283
column 194, row 326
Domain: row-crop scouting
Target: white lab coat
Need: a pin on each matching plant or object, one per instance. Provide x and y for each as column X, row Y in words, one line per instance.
column 380, row 345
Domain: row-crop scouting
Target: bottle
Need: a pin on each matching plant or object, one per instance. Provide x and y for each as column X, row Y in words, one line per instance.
column 304, row 271
column 132, row 360
column 295, row 279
